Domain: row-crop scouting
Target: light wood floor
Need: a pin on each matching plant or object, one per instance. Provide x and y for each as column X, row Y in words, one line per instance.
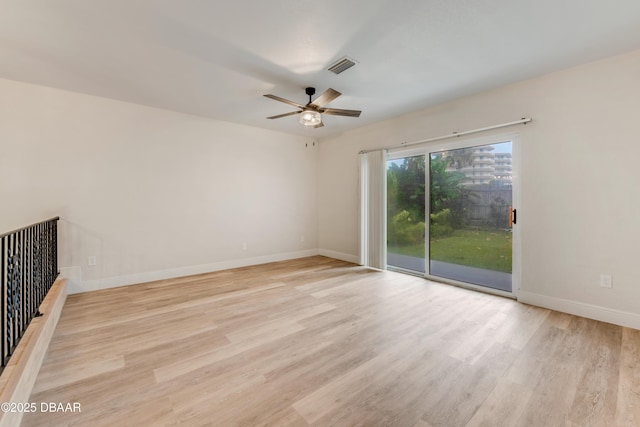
column 322, row 342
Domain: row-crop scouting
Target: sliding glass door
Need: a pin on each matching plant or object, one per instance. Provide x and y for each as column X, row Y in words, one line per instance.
column 470, row 199
column 449, row 213
column 406, row 183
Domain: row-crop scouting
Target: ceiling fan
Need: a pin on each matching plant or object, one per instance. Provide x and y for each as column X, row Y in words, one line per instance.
column 313, row 110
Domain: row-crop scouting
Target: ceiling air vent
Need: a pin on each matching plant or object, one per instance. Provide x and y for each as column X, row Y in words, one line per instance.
column 342, row 65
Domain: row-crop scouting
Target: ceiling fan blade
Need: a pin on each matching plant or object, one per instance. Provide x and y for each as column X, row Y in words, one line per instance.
column 319, row 125
column 339, row 112
column 284, row 115
column 326, row 97
column 286, row 101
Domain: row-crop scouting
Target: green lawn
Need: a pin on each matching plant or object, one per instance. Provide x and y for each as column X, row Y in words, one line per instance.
column 488, row 249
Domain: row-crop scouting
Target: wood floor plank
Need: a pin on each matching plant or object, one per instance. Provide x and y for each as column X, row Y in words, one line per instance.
column 332, row 396
column 557, row 384
column 596, row 394
column 469, row 386
column 397, row 399
column 628, row 403
column 322, row 342
column 506, row 403
column 209, row 356
column 62, row 373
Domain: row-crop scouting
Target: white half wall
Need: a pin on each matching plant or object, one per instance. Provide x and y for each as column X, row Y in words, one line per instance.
column 151, row 192
column 580, row 176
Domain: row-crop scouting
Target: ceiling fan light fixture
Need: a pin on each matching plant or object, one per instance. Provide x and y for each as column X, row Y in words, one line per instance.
column 310, row 118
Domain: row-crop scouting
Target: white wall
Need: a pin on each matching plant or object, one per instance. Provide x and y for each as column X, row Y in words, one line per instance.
column 580, row 180
column 151, row 193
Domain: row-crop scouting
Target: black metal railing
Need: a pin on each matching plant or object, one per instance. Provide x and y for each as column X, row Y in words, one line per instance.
column 28, row 268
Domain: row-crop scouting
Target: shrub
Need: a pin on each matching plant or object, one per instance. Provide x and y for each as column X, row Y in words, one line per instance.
column 403, row 230
column 440, row 223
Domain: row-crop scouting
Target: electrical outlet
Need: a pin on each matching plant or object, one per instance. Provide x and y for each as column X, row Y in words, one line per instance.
column 92, row 260
column 605, row 280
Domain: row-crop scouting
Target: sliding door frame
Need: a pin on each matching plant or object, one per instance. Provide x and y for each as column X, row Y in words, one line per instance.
column 465, row 142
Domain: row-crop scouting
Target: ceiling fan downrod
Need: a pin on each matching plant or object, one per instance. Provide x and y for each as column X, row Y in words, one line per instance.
column 310, row 91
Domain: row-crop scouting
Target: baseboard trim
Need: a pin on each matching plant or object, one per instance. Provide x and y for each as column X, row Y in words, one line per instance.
column 595, row 312
column 339, row 255
column 19, row 376
column 79, row 286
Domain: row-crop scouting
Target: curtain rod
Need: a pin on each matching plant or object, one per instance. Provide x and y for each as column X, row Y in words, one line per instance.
column 523, row 121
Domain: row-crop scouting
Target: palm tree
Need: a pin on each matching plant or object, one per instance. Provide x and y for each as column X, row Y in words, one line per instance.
column 446, row 186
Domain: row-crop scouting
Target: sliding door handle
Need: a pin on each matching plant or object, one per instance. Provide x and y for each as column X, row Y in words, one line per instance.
column 513, row 216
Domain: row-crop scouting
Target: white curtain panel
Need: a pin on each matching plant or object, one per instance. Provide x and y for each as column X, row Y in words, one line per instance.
column 373, row 212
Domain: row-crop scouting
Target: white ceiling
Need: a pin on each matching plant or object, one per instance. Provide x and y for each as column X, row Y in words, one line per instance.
column 217, row 58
